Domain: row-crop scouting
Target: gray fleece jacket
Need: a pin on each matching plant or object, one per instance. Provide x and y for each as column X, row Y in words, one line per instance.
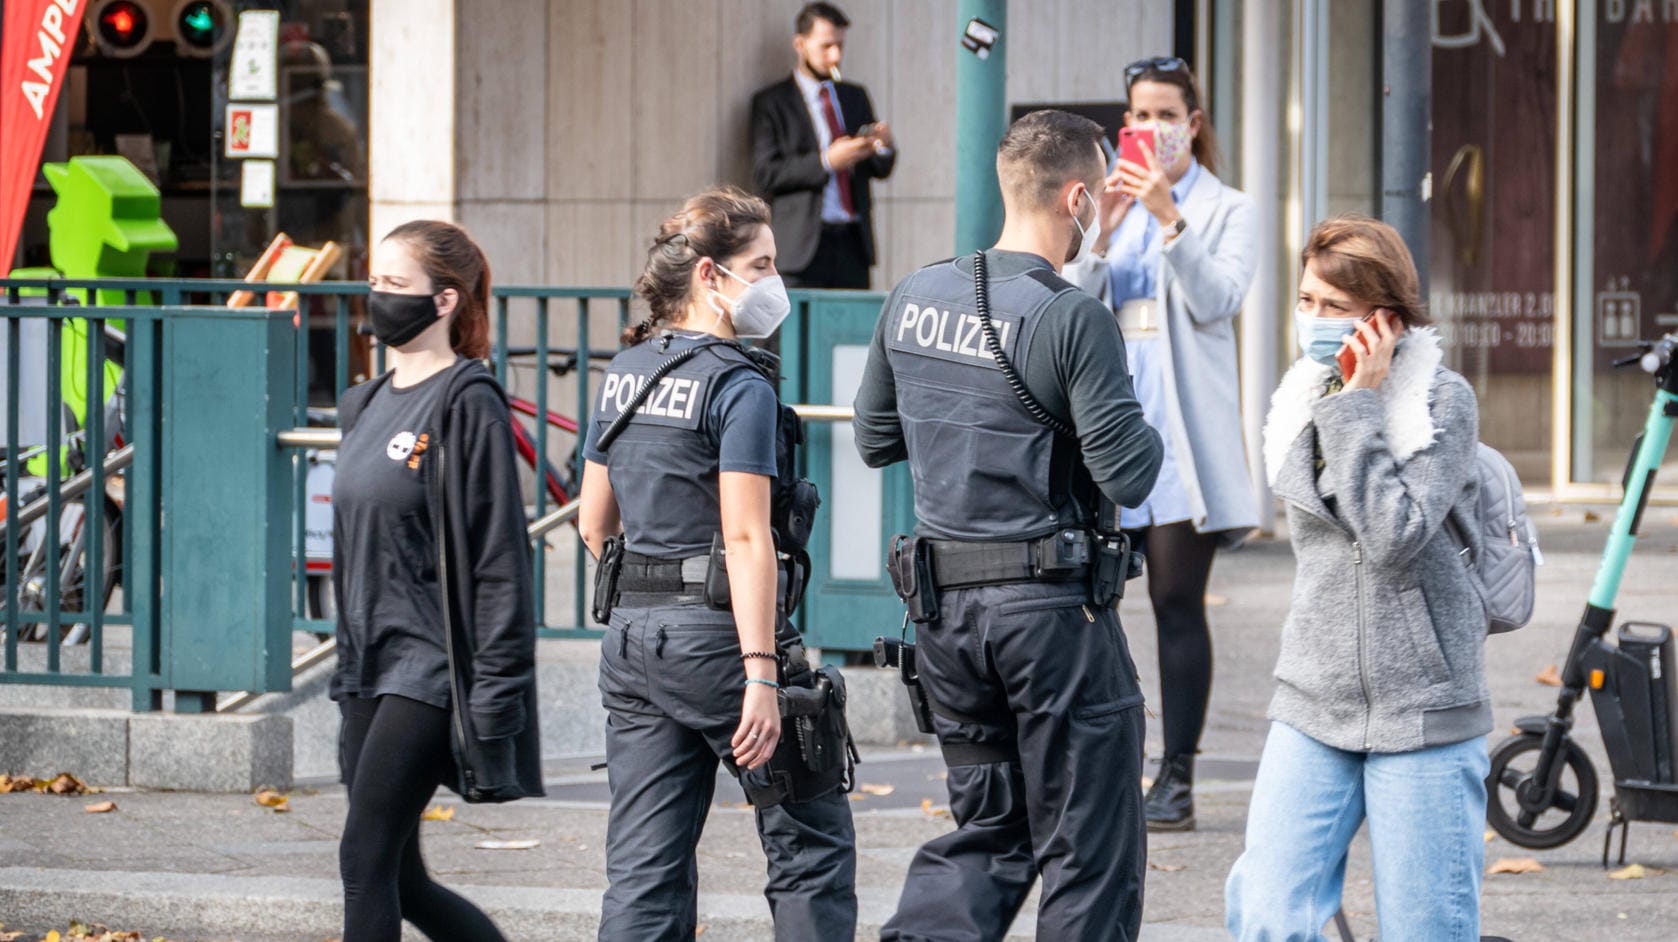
column 1383, row 648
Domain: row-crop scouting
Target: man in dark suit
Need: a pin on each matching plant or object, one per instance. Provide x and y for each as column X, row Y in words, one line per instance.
column 815, row 150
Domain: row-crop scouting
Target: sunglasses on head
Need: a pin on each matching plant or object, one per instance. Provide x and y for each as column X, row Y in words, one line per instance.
column 1158, row 64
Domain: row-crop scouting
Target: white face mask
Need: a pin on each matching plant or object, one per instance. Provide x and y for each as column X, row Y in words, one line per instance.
column 1087, row 237
column 758, row 310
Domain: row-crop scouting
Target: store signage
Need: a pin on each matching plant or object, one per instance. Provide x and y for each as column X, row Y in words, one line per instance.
column 254, row 75
column 252, row 130
column 39, row 38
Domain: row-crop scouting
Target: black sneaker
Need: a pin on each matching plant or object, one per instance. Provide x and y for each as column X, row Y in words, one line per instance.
column 1170, row 802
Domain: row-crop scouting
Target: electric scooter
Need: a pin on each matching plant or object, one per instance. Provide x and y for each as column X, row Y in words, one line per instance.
column 1542, row 789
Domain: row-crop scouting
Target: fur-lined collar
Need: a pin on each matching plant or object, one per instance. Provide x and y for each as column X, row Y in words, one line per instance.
column 1407, row 393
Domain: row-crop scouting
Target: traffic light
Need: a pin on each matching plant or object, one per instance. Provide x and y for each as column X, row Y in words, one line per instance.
column 201, row 27
column 122, row 28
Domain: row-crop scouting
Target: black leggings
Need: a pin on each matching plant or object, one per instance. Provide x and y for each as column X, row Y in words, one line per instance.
column 395, row 752
column 1179, row 566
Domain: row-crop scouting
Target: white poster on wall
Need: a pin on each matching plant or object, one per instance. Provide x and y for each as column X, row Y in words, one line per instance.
column 256, row 184
column 254, row 73
column 251, row 130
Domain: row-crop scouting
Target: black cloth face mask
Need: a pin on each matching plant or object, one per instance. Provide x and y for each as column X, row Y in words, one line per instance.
column 399, row 318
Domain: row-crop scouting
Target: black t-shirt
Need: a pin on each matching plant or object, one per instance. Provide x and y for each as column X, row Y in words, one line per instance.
column 387, row 548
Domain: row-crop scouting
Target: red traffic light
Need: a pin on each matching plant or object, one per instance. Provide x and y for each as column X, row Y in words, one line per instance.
column 122, row 28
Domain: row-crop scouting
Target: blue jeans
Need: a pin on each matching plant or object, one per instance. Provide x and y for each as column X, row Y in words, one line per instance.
column 1427, row 819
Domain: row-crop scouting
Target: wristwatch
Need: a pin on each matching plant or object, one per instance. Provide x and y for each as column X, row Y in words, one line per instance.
column 1178, row 227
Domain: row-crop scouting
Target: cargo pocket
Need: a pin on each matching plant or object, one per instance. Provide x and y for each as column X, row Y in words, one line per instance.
column 1424, row 641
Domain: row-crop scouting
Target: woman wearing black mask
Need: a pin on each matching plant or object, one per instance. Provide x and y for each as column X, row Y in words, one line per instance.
column 430, row 566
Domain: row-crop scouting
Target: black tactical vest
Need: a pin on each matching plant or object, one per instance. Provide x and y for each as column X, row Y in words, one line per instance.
column 663, row 466
column 984, row 469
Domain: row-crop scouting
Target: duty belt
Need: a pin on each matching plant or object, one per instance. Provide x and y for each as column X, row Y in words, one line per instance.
column 957, row 564
column 643, row 576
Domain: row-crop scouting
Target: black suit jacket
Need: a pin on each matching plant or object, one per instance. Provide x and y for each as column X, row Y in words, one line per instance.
column 787, row 168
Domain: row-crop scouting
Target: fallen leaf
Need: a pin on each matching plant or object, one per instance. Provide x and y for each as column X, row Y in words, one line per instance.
column 928, row 808
column 438, row 813
column 1147, row 782
column 52, row 937
column 1490, row 835
column 16, row 783
column 1629, row 872
column 1548, row 676
column 282, row 808
column 1515, row 865
column 507, row 845
column 101, row 807
column 698, row 930
column 871, row 789
column 1164, row 868
column 1214, row 601
column 1592, row 516
column 67, row 784
column 269, row 798
column 857, row 797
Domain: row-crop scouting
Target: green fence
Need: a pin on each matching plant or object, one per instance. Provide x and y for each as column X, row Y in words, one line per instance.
column 323, row 352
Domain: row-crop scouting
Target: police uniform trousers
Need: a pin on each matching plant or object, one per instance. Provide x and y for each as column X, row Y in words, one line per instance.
column 1036, row 674
column 672, row 683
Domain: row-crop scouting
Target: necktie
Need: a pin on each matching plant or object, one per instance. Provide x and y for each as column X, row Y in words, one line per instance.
column 838, row 131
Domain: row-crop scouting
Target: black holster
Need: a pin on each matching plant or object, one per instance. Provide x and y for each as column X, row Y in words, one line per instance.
column 900, row 654
column 1110, row 568
column 718, row 596
column 910, row 564
column 816, row 754
column 606, row 571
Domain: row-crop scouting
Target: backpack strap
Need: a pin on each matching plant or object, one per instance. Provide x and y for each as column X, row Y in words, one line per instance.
column 664, row 369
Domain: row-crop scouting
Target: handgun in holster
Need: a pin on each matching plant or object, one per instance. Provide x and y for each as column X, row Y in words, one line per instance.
column 606, row 571
column 895, row 652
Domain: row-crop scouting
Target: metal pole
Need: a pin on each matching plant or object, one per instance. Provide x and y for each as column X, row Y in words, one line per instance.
column 981, row 118
column 1406, row 123
column 1262, row 140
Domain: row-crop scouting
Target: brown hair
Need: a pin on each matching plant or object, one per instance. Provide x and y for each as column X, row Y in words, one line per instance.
column 717, row 224
column 812, row 12
column 1043, row 151
column 1367, row 259
column 451, row 259
column 1205, row 146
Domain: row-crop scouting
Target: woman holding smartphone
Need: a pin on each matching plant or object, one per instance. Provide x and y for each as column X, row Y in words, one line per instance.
column 1174, row 261
column 1381, row 705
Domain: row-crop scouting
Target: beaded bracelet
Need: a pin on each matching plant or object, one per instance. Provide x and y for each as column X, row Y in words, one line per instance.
column 760, row 680
column 766, row 655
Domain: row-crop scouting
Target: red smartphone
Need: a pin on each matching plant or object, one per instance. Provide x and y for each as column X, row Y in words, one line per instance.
column 1130, row 144
column 1346, row 358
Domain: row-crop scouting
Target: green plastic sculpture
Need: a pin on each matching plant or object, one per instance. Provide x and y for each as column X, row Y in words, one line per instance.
column 106, row 224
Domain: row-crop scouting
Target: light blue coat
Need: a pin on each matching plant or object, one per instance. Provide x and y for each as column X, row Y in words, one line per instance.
column 1203, row 279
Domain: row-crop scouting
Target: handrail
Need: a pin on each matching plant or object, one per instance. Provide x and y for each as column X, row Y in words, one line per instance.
column 72, row 488
column 313, row 437
column 319, row 652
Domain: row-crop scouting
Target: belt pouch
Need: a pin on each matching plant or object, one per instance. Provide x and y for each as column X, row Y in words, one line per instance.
column 911, row 574
column 1112, row 565
column 606, row 572
column 717, row 594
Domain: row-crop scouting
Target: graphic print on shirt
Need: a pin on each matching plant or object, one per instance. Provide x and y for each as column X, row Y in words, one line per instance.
column 406, row 446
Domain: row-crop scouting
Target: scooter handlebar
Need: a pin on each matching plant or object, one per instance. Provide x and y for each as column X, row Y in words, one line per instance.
column 1659, row 355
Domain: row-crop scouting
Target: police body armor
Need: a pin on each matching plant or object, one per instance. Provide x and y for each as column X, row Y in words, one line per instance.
column 984, row 468
column 656, row 399
column 1001, row 492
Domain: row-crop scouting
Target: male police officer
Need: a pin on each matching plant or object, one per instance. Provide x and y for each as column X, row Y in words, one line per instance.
column 1035, row 699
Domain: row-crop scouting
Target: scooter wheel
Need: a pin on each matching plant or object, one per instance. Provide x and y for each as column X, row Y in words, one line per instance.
column 1512, row 807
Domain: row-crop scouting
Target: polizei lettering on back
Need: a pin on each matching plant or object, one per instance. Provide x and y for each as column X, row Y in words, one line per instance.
column 676, row 397
column 949, row 335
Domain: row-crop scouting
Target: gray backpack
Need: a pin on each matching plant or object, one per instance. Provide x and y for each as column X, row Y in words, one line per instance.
column 1504, row 571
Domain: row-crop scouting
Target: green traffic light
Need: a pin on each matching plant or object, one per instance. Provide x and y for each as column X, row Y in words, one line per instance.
column 199, row 18
column 199, row 24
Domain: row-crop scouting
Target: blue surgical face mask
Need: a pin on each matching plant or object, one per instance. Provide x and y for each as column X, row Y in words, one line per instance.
column 1320, row 338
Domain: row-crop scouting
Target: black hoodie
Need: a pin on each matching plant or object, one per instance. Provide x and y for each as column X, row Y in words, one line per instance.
column 485, row 576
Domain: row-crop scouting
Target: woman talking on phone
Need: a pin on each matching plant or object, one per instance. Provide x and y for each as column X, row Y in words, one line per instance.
column 1381, row 705
column 689, row 664
column 1176, row 256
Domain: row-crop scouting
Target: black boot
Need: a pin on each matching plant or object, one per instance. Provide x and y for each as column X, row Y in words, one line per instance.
column 1170, row 802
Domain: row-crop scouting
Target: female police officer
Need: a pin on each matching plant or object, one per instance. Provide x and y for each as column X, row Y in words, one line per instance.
column 686, row 677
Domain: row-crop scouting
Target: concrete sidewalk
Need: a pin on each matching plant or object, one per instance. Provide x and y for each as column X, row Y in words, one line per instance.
column 207, row 868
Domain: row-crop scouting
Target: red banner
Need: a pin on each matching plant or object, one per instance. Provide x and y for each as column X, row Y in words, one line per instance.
column 39, row 37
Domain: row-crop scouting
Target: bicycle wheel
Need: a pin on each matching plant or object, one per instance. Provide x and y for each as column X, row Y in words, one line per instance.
column 78, row 591
column 1510, row 785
